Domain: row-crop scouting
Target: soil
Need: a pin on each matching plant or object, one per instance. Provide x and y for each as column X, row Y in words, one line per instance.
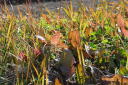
column 38, row 8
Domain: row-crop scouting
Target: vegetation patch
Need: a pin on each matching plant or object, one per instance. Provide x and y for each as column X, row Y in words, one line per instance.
column 84, row 46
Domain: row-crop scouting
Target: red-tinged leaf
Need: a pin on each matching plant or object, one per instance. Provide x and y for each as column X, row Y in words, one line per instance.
column 37, row 52
column 125, row 32
column 22, row 56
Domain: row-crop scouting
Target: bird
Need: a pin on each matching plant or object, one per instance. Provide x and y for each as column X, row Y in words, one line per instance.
column 65, row 66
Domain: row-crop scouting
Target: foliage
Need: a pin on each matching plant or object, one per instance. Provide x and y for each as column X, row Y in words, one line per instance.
column 97, row 38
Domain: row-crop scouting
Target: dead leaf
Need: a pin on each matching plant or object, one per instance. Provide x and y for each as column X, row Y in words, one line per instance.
column 125, row 32
column 57, row 82
column 120, row 21
column 44, row 16
column 55, row 38
column 74, row 38
column 116, row 78
column 121, row 24
column 88, row 32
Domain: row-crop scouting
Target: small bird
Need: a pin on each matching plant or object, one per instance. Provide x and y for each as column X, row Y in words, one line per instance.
column 65, row 67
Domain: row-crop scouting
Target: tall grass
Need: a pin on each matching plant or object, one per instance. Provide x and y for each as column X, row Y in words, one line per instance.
column 99, row 28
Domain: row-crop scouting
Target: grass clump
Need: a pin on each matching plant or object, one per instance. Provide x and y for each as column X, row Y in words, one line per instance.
column 89, row 43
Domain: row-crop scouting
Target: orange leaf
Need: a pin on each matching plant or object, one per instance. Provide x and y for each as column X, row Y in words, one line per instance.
column 125, row 32
column 116, row 78
column 74, row 38
column 55, row 39
column 121, row 23
column 88, row 32
column 46, row 18
column 57, row 82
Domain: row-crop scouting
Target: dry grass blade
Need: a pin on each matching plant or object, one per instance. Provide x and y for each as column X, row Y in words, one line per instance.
column 36, row 70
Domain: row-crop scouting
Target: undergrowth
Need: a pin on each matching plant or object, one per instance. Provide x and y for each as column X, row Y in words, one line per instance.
column 97, row 38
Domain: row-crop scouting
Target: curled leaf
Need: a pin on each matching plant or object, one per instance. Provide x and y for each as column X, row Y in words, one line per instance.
column 74, row 38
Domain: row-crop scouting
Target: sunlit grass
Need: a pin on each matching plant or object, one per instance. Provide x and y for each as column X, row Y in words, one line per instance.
column 98, row 28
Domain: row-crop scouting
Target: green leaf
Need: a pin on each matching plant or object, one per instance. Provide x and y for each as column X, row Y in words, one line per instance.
column 104, row 41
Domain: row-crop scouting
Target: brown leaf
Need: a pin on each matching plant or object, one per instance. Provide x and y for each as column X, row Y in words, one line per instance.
column 55, row 39
column 87, row 55
column 57, row 82
column 125, row 32
column 121, row 24
column 74, row 38
column 120, row 21
column 116, row 78
column 88, row 32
